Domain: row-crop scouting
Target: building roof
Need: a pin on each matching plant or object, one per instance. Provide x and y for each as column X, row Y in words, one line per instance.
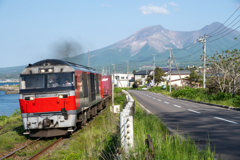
column 181, row 72
column 167, row 69
column 142, row 72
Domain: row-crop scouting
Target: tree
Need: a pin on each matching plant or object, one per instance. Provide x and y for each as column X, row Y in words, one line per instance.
column 181, row 68
column 225, row 70
column 134, row 71
column 194, row 78
column 158, row 75
column 137, row 83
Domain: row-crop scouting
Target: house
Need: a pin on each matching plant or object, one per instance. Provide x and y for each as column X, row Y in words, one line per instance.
column 122, row 79
column 142, row 75
column 175, row 79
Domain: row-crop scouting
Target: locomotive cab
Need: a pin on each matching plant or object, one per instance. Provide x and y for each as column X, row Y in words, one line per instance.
column 50, row 93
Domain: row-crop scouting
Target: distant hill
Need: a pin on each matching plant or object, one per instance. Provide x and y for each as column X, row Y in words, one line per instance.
column 139, row 47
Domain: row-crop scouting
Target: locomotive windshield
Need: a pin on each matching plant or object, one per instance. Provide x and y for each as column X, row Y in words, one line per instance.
column 46, row 82
column 59, row 80
column 32, row 82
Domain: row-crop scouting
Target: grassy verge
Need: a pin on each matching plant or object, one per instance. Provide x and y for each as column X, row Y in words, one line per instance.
column 11, row 132
column 98, row 140
column 166, row 146
column 200, row 95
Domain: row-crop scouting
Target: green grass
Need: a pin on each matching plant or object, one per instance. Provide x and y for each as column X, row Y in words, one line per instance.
column 160, row 90
column 166, row 146
column 98, row 140
column 200, row 95
column 11, row 132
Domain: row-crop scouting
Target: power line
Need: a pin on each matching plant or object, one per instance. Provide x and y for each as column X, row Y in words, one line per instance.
column 224, row 35
column 226, row 28
column 189, row 54
column 226, row 49
column 224, row 22
column 187, row 48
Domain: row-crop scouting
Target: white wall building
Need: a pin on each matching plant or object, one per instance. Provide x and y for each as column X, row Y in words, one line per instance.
column 122, row 79
column 142, row 75
column 175, row 79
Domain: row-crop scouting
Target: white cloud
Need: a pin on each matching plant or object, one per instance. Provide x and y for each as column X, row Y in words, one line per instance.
column 106, row 5
column 173, row 4
column 153, row 9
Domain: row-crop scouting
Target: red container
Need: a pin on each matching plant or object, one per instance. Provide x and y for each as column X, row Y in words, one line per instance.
column 107, row 85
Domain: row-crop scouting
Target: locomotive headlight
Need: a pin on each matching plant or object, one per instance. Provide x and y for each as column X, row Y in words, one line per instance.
column 50, row 70
column 63, row 96
column 29, row 98
column 42, row 70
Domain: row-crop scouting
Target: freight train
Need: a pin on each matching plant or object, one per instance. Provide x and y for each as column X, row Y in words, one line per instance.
column 58, row 96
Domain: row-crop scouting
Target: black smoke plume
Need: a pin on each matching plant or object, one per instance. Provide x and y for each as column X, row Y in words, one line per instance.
column 66, row 49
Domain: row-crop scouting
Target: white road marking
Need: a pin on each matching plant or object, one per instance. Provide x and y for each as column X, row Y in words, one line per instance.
column 145, row 108
column 166, row 102
column 159, row 100
column 154, row 98
column 194, row 111
column 226, row 120
column 177, row 106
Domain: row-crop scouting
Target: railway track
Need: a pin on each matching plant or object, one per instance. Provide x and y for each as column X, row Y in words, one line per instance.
column 44, row 150
column 13, row 153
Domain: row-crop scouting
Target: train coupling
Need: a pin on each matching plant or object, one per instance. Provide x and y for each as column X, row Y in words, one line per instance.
column 27, row 132
column 70, row 129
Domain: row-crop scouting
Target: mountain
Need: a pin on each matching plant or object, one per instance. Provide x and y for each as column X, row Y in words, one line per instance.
column 139, row 47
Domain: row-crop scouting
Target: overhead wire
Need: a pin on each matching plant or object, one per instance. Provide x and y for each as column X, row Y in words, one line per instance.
column 215, row 34
column 224, row 22
column 224, row 35
column 225, row 30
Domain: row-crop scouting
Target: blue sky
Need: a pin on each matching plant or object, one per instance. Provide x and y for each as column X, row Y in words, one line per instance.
column 29, row 30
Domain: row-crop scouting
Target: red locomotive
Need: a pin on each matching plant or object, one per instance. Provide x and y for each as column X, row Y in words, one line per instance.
column 56, row 96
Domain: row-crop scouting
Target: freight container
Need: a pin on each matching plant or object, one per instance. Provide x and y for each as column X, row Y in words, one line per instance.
column 107, row 85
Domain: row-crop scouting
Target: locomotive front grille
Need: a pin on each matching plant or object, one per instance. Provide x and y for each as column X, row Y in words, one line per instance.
column 46, row 122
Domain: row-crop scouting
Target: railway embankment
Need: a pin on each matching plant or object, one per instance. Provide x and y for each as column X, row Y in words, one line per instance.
column 10, row 89
column 100, row 138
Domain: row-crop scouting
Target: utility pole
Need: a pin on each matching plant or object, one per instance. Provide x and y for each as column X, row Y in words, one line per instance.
column 170, row 62
column 204, row 40
column 127, row 67
column 88, row 59
column 204, row 60
column 176, row 67
column 113, row 86
column 103, row 71
column 153, row 68
column 127, row 71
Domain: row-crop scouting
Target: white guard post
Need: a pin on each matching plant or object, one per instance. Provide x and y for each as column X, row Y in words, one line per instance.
column 126, row 123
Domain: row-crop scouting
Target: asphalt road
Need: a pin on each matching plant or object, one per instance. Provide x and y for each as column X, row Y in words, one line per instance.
column 202, row 122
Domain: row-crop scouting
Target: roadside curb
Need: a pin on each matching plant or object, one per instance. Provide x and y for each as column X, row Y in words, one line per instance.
column 211, row 104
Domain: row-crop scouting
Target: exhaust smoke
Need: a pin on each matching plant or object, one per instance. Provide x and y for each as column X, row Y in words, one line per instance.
column 66, row 49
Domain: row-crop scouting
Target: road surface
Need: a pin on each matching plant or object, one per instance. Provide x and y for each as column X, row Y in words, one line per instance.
column 201, row 122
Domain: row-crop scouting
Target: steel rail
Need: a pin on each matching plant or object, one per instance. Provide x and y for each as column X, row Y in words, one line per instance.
column 36, row 156
column 12, row 153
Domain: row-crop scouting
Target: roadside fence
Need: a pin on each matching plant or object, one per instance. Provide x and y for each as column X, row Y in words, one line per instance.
column 126, row 123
